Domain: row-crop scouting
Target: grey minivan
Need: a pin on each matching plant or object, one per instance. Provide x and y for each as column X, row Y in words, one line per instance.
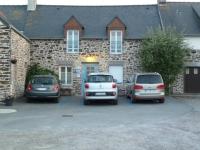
column 146, row 86
column 43, row 86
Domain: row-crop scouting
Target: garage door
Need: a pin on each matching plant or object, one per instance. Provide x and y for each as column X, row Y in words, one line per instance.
column 117, row 72
column 192, row 80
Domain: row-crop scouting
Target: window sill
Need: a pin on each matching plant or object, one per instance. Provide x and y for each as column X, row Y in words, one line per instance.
column 73, row 52
column 66, row 86
column 115, row 53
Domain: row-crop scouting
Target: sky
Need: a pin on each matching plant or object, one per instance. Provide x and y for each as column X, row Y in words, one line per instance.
column 88, row 2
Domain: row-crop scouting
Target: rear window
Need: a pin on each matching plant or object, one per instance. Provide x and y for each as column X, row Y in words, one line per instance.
column 100, row 78
column 43, row 80
column 149, row 79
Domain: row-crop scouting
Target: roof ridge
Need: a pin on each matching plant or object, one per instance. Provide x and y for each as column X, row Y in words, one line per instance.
column 87, row 5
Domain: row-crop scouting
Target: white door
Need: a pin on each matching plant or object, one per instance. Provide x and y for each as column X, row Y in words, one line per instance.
column 117, row 72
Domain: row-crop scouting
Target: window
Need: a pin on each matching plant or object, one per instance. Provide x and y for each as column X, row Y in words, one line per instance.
column 73, row 41
column 100, row 78
column 65, row 75
column 149, row 79
column 195, row 70
column 187, row 71
column 115, row 41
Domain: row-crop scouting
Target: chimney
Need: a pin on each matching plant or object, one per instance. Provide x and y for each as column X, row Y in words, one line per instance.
column 162, row 2
column 31, row 5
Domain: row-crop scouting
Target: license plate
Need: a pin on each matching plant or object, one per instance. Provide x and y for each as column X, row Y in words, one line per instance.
column 100, row 94
column 41, row 89
column 148, row 91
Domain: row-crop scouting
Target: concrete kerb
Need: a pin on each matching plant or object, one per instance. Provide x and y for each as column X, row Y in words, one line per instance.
column 186, row 96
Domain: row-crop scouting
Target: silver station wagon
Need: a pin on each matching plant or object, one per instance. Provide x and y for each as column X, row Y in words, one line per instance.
column 146, row 86
column 100, row 86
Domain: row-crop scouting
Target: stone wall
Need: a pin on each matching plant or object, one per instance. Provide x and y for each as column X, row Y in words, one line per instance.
column 52, row 54
column 20, row 50
column 191, row 60
column 4, row 61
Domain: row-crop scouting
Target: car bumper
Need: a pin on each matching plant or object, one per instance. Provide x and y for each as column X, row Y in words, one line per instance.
column 100, row 97
column 42, row 95
column 97, row 95
column 150, row 96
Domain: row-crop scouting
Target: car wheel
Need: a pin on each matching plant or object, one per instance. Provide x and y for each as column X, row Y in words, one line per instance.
column 132, row 99
column 86, row 102
column 161, row 100
column 127, row 96
column 28, row 100
column 56, row 100
column 115, row 102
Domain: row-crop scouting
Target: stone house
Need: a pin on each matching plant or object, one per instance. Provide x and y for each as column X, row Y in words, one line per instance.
column 76, row 40
column 14, row 59
column 185, row 17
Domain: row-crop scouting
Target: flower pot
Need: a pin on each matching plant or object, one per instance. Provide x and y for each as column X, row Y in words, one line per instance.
column 9, row 101
column 13, row 61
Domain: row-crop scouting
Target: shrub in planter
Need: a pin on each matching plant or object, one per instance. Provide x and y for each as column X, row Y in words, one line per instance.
column 36, row 69
column 9, row 100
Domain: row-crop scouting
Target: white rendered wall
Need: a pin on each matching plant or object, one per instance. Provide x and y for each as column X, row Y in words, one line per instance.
column 193, row 42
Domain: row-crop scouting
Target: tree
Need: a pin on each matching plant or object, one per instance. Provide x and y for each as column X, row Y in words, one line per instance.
column 163, row 51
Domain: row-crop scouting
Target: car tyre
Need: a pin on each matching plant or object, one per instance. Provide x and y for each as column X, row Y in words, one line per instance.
column 28, row 100
column 115, row 102
column 56, row 100
column 86, row 102
column 161, row 100
column 127, row 96
column 133, row 100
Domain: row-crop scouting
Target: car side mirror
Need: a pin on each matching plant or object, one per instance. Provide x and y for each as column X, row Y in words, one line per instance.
column 115, row 80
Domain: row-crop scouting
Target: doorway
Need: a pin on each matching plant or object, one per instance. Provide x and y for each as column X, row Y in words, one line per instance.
column 88, row 68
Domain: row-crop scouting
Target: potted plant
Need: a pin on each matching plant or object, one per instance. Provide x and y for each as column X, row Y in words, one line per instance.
column 9, row 100
column 13, row 60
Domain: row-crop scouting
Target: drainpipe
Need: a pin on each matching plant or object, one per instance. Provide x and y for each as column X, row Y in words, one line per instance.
column 160, row 18
column 11, row 74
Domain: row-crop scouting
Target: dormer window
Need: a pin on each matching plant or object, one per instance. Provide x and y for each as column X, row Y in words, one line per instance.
column 73, row 41
column 116, row 31
column 73, row 30
column 115, row 41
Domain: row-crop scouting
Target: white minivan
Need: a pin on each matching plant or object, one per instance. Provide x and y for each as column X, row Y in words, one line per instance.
column 100, row 86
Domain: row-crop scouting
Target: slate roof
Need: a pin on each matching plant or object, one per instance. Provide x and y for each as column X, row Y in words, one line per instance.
column 185, row 17
column 5, row 22
column 48, row 21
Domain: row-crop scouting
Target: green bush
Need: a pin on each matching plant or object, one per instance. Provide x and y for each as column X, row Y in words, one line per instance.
column 163, row 51
column 36, row 69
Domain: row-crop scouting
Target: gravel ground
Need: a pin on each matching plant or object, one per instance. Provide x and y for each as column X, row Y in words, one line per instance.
column 69, row 125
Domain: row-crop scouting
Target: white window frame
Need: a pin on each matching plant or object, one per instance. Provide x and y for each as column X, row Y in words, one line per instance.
column 115, row 40
column 195, row 71
column 66, row 74
column 73, row 41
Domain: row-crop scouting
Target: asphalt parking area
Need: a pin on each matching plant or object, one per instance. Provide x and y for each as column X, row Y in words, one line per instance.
column 70, row 125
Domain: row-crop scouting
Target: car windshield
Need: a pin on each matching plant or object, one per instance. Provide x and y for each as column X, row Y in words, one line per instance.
column 43, row 80
column 149, row 79
column 100, row 78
